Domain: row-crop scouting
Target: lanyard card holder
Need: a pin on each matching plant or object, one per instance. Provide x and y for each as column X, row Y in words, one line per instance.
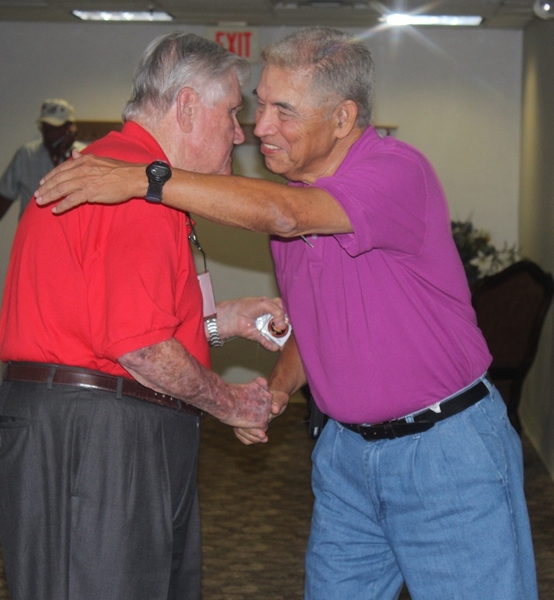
column 208, row 300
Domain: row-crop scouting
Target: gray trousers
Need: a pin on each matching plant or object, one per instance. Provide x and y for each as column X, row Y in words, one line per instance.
column 98, row 496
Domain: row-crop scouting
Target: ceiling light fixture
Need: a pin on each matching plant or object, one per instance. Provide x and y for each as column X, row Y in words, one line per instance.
column 127, row 15
column 544, row 9
column 325, row 4
column 399, row 19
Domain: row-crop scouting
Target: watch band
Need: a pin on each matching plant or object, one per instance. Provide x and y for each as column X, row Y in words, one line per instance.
column 213, row 334
column 158, row 173
column 154, row 192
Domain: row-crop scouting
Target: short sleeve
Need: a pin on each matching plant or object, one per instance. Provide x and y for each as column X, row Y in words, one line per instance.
column 385, row 199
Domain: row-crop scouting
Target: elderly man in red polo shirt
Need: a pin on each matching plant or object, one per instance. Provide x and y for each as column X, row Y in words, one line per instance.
column 108, row 374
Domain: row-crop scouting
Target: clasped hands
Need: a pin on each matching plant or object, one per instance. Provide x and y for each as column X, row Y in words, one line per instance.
column 237, row 318
column 249, row 436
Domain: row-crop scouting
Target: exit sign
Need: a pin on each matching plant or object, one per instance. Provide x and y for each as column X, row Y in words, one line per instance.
column 239, row 40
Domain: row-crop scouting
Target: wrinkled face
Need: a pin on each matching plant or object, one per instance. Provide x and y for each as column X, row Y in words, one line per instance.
column 216, row 131
column 297, row 132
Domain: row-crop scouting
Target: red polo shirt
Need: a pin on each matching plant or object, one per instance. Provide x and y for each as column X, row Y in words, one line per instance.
column 87, row 286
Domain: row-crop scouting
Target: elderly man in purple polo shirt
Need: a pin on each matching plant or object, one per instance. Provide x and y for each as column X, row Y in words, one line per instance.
column 417, row 475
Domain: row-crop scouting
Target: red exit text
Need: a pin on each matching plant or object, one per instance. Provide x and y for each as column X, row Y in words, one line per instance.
column 238, row 42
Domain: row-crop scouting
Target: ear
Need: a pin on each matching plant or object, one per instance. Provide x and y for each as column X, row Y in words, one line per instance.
column 187, row 99
column 347, row 113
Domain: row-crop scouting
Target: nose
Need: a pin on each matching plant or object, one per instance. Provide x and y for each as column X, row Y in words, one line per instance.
column 264, row 122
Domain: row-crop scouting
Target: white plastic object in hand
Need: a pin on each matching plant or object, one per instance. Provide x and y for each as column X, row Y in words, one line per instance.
column 266, row 327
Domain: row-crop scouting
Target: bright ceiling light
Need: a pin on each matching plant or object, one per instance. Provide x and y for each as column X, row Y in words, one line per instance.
column 128, row 15
column 544, row 9
column 398, row 19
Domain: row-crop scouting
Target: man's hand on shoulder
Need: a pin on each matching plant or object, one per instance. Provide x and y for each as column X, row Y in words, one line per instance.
column 93, row 179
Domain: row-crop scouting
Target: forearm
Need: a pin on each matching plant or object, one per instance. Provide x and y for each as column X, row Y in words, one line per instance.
column 287, row 377
column 256, row 204
column 168, row 368
column 288, row 374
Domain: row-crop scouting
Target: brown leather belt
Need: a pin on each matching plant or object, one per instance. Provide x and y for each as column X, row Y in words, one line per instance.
column 86, row 378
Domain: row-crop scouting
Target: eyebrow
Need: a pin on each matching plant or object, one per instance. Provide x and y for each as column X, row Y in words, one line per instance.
column 284, row 105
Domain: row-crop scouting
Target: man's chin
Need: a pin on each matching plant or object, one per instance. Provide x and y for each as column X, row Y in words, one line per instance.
column 226, row 169
column 275, row 166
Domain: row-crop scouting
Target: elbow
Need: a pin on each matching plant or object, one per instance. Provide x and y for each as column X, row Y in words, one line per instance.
column 133, row 361
column 283, row 223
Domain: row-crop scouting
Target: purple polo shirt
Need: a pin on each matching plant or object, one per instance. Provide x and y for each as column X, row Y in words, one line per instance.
column 383, row 315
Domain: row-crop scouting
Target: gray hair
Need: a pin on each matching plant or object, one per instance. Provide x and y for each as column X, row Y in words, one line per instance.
column 177, row 60
column 340, row 65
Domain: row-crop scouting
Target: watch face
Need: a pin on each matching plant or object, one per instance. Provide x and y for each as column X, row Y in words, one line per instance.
column 158, row 171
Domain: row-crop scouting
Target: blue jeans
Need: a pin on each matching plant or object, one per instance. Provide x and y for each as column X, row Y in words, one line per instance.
column 443, row 511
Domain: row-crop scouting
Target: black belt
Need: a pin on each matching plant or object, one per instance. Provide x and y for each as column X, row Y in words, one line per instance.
column 86, row 378
column 421, row 421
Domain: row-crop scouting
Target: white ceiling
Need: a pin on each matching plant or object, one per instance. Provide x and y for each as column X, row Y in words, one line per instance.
column 356, row 13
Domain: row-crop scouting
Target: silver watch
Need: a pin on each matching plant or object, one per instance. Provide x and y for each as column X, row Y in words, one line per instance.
column 213, row 334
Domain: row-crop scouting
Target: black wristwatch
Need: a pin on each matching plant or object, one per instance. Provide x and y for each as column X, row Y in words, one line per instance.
column 158, row 173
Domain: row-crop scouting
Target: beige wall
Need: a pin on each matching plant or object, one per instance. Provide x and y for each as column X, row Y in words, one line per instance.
column 537, row 220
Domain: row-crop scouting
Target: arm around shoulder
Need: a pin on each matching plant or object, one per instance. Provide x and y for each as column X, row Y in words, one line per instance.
column 249, row 203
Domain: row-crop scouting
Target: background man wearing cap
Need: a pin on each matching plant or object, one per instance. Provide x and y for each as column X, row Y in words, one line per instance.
column 35, row 158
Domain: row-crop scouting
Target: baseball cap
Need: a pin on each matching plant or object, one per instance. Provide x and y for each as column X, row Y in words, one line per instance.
column 56, row 112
